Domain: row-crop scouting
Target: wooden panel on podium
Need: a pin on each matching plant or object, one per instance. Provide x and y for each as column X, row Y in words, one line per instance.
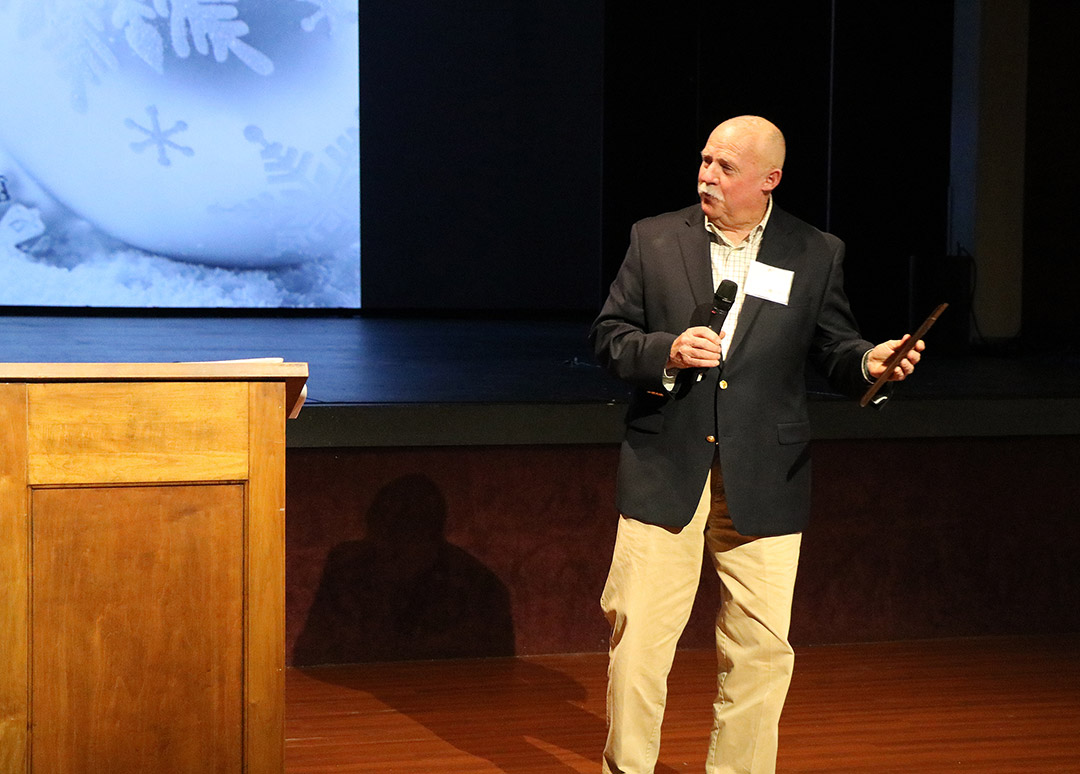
column 153, row 431
column 137, row 628
column 265, row 625
column 142, row 541
column 14, row 581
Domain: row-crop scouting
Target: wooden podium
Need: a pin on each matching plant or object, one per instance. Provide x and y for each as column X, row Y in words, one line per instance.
column 142, row 566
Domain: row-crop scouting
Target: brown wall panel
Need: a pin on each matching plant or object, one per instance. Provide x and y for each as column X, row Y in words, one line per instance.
column 425, row 553
column 431, row 553
column 946, row 537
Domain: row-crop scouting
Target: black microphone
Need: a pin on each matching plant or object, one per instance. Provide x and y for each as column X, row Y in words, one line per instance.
column 721, row 304
column 713, row 316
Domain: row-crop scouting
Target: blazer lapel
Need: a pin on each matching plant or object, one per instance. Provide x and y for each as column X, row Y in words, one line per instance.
column 694, row 244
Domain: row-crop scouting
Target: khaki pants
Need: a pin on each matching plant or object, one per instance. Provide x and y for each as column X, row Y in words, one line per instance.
column 647, row 599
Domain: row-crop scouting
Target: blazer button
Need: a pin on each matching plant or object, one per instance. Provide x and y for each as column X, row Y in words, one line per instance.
column 723, row 384
column 710, row 438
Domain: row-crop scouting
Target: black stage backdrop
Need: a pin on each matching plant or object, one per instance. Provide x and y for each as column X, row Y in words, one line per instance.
column 481, row 133
column 508, row 147
column 1052, row 186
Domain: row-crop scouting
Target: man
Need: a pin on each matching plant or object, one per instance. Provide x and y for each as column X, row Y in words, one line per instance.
column 716, row 447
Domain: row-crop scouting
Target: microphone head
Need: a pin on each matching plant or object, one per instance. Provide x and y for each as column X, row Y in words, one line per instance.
column 725, row 294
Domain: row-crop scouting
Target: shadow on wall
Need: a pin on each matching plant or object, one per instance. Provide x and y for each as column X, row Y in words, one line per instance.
column 403, row 592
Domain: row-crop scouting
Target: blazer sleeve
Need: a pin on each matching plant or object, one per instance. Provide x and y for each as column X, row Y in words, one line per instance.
column 838, row 347
column 622, row 336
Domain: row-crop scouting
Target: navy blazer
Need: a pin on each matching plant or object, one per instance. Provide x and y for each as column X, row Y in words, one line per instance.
column 756, row 417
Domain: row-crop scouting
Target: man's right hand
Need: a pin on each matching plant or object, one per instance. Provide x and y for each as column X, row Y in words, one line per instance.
column 697, row 347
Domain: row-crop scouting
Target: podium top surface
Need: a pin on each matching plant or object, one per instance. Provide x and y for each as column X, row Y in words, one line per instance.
column 261, row 369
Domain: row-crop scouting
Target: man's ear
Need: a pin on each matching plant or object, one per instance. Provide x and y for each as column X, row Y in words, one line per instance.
column 772, row 180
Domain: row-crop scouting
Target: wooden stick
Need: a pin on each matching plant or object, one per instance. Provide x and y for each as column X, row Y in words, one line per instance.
column 899, row 354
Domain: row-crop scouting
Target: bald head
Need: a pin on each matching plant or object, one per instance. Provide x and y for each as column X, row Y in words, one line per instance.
column 757, row 136
column 741, row 163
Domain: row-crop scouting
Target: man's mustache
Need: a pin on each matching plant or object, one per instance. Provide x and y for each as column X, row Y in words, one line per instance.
column 709, row 190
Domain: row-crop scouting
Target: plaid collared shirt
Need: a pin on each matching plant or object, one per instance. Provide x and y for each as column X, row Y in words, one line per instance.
column 732, row 262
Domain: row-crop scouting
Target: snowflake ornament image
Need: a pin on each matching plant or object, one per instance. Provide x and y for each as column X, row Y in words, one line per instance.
column 210, row 26
column 135, row 115
column 158, row 137
column 316, row 199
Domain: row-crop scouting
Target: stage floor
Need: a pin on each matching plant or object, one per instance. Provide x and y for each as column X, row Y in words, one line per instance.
column 440, row 381
column 981, row 706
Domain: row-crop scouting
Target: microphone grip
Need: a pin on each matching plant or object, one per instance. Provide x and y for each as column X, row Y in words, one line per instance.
column 717, row 318
column 713, row 316
column 702, row 315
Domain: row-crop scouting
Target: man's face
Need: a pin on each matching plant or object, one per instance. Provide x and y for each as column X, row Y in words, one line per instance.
column 731, row 182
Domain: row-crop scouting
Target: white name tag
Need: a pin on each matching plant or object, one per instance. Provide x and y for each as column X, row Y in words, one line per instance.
column 769, row 282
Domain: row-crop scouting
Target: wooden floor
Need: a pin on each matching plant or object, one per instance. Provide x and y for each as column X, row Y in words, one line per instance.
column 991, row 706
